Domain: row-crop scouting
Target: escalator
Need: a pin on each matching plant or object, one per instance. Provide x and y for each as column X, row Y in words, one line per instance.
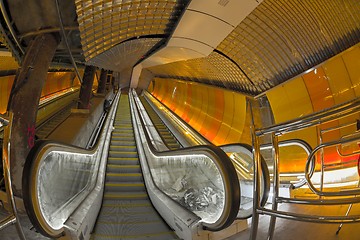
column 129, row 189
column 126, row 210
column 46, row 128
column 166, row 135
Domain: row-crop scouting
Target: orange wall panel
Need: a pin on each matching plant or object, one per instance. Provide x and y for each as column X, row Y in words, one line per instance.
column 209, row 110
column 5, row 89
column 55, row 82
column 351, row 60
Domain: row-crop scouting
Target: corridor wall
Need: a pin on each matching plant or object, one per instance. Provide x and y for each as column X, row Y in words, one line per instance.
column 219, row 115
column 331, row 83
column 55, row 82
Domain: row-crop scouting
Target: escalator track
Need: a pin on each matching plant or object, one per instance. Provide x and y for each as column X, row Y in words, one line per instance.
column 46, row 128
column 126, row 211
column 168, row 138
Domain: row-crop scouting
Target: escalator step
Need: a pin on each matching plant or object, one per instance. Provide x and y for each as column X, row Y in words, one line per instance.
column 126, row 195
column 122, row 143
column 123, row 160
column 124, row 187
column 116, row 135
column 115, row 168
column 123, row 154
column 124, row 177
column 122, row 148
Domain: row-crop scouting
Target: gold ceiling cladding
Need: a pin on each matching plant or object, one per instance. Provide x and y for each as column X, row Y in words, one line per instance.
column 106, row 23
column 124, row 55
column 214, row 70
column 277, row 41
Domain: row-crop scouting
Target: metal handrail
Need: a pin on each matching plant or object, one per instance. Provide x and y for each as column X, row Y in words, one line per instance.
column 357, row 133
column 294, row 142
column 311, row 160
column 340, row 111
column 14, row 217
column 225, row 167
column 336, row 198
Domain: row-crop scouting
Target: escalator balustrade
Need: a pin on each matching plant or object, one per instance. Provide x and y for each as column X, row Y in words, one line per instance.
column 162, row 129
column 126, row 210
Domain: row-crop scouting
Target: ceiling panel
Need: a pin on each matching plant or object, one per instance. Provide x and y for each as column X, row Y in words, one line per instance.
column 277, row 41
column 215, row 69
column 106, row 23
column 124, row 55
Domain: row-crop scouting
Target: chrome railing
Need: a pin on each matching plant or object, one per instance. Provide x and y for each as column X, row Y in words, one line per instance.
column 13, row 218
column 325, row 197
column 305, row 147
column 201, row 178
column 58, row 177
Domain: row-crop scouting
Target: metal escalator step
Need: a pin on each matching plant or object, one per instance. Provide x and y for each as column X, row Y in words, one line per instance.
column 115, row 206
column 115, row 168
column 122, row 143
column 122, row 135
column 124, row 177
column 171, row 141
column 123, row 148
column 124, row 187
column 123, row 160
column 168, row 235
column 126, row 195
column 132, row 154
column 133, row 226
column 127, row 203
column 167, row 135
column 123, row 138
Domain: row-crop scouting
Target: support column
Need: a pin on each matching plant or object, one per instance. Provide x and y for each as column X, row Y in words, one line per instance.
column 24, row 100
column 86, row 87
column 102, row 81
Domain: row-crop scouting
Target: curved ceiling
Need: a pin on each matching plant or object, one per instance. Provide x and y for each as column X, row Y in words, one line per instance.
column 104, row 24
column 277, row 41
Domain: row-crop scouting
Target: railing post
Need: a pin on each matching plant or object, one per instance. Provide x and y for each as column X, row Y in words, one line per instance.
column 276, row 183
column 257, row 176
column 13, row 218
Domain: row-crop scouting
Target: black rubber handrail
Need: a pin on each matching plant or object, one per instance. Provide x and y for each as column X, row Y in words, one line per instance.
column 264, row 170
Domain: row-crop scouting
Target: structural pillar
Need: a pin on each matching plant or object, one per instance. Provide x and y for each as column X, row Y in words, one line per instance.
column 102, row 81
column 24, row 101
column 86, row 87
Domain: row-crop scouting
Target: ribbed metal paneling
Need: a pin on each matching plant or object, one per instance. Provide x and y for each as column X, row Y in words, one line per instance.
column 281, row 38
column 214, row 70
column 277, row 41
column 106, row 23
column 124, row 55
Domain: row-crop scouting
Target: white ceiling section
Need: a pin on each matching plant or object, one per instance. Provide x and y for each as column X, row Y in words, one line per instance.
column 200, row 30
